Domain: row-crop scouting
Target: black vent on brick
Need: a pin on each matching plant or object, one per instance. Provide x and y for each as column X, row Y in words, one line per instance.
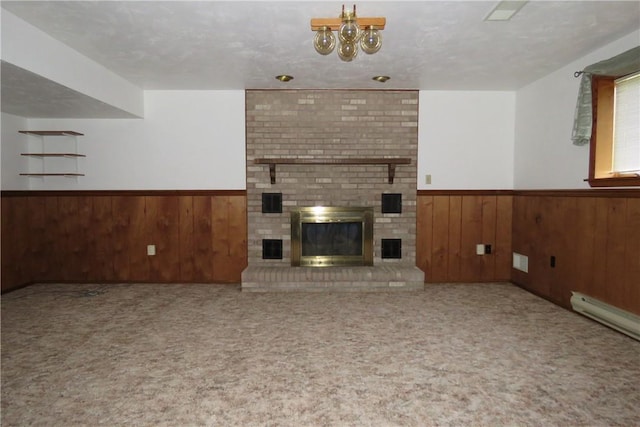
column 391, row 248
column 392, row 203
column 271, row 248
column 271, row 202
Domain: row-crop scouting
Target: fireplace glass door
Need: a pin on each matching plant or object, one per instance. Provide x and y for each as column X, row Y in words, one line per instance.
column 331, row 236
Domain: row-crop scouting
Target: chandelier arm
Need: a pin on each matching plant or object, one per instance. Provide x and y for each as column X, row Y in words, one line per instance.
column 334, row 23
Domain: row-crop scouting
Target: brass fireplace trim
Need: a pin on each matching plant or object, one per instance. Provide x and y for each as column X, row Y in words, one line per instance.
column 327, row 214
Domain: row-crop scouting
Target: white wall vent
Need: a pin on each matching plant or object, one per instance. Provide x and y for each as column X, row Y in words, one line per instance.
column 521, row 262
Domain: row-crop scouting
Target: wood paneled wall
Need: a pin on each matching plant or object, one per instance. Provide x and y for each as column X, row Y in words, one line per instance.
column 449, row 226
column 200, row 236
column 594, row 236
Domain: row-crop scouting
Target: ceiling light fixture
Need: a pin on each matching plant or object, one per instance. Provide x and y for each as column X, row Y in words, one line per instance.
column 381, row 79
column 352, row 32
column 284, row 78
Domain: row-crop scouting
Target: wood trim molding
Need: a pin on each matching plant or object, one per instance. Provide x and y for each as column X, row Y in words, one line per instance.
column 465, row 192
column 621, row 181
column 613, row 192
column 596, row 192
column 83, row 193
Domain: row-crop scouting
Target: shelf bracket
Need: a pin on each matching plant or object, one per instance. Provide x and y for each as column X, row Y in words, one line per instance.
column 391, row 172
column 272, row 172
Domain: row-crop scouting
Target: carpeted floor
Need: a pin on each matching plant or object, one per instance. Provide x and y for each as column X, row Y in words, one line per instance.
column 208, row 355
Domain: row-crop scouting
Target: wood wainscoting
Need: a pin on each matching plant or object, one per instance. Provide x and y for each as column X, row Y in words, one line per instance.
column 449, row 226
column 201, row 236
column 594, row 237
column 102, row 236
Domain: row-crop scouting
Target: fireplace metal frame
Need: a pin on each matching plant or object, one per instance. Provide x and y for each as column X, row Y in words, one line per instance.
column 328, row 214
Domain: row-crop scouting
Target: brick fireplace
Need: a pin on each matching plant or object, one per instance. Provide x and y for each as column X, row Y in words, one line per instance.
column 349, row 148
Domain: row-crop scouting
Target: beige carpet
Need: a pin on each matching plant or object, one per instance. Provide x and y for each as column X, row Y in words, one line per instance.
column 182, row 355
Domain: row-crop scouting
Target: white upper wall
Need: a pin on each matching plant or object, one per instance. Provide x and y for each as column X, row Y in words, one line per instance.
column 187, row 140
column 465, row 140
column 27, row 47
column 13, row 143
column 545, row 157
column 196, row 140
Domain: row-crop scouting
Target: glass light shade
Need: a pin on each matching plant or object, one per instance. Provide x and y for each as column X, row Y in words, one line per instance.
column 349, row 31
column 371, row 40
column 324, row 41
column 347, row 51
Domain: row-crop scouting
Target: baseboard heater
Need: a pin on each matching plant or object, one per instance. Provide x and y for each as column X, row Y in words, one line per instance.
column 621, row 320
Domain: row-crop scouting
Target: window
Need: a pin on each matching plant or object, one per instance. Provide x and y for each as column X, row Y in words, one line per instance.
column 626, row 126
column 615, row 142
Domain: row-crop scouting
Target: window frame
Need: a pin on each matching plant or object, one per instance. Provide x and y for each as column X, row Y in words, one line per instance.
column 601, row 145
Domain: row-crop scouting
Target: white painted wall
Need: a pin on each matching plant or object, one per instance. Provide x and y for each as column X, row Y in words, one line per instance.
column 13, row 143
column 544, row 157
column 187, row 140
column 465, row 140
column 196, row 139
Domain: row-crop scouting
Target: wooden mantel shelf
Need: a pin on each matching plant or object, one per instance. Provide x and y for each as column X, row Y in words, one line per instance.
column 390, row 162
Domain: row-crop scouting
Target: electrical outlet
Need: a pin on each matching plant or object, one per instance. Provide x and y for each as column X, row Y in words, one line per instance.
column 552, row 261
column 151, row 250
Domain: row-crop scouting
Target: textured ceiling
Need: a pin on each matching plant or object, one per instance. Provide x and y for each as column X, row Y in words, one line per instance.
column 430, row 45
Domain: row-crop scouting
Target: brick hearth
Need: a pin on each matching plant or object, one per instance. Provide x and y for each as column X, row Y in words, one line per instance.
column 322, row 124
column 387, row 277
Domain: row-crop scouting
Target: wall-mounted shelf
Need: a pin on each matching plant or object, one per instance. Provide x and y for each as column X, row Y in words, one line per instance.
column 390, row 162
column 51, row 132
column 52, row 155
column 52, row 174
column 63, row 148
